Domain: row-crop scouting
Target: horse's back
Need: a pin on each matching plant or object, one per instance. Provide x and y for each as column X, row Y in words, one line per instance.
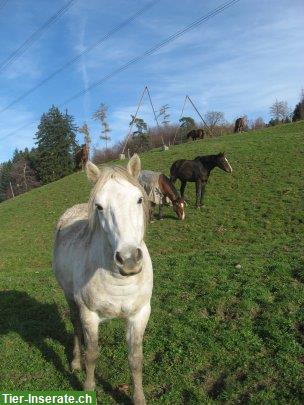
column 191, row 134
column 71, row 231
column 186, row 170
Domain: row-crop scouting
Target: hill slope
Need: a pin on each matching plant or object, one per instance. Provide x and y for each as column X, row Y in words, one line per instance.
column 216, row 332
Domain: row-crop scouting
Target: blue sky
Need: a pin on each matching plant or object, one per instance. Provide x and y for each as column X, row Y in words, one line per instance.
column 238, row 62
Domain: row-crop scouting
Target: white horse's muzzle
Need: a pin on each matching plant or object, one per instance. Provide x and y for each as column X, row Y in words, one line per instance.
column 129, row 260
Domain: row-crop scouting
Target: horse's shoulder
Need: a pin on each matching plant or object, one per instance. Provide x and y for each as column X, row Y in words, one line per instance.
column 163, row 181
column 199, row 163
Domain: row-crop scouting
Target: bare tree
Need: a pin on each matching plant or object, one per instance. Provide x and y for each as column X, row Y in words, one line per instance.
column 23, row 176
column 214, row 118
column 164, row 114
column 105, row 133
column 279, row 110
column 258, row 123
column 84, row 129
column 101, row 115
column 215, row 121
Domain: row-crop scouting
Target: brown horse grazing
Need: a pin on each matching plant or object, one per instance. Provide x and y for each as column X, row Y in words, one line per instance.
column 239, row 125
column 198, row 171
column 196, row 134
column 81, row 157
column 159, row 189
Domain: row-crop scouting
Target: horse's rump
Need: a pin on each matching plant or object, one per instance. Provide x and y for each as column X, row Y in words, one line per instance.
column 149, row 181
column 176, row 166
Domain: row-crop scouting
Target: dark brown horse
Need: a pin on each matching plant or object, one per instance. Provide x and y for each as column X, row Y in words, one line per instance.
column 159, row 188
column 239, row 125
column 198, row 171
column 196, row 134
column 81, row 157
column 169, row 191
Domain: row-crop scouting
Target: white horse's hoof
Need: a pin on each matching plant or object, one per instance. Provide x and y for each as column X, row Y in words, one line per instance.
column 139, row 400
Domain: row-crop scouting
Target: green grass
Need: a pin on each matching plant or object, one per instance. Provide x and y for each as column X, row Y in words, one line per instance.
column 217, row 333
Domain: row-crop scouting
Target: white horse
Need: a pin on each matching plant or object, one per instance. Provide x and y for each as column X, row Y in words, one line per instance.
column 104, row 267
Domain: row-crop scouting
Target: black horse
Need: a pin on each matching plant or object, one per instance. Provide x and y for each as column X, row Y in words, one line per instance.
column 198, row 171
column 196, row 134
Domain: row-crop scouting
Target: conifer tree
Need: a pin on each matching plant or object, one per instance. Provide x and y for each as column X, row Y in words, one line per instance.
column 5, row 177
column 298, row 113
column 56, row 145
column 84, row 129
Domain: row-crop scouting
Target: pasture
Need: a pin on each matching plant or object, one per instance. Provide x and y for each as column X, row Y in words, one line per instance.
column 217, row 332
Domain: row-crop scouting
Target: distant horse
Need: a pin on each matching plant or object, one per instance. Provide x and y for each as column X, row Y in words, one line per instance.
column 198, row 171
column 239, row 125
column 82, row 156
column 159, row 188
column 196, row 134
column 103, row 265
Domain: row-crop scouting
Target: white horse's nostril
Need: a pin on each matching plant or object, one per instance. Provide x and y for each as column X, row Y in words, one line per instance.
column 128, row 257
column 139, row 254
column 118, row 258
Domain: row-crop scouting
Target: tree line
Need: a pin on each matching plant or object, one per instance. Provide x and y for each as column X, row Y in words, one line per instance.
column 53, row 156
column 50, row 160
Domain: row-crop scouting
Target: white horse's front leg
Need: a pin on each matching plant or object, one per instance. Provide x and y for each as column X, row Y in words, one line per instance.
column 90, row 323
column 136, row 326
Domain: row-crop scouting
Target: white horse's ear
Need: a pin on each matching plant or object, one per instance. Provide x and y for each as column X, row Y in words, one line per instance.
column 134, row 166
column 92, row 171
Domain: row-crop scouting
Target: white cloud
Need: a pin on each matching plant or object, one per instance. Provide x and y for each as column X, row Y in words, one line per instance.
column 238, row 62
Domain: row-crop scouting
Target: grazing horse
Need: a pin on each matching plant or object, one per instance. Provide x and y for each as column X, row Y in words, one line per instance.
column 103, row 265
column 159, row 188
column 198, row 171
column 196, row 134
column 82, row 156
column 239, row 125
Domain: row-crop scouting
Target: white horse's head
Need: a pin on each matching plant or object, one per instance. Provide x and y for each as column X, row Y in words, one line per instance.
column 119, row 205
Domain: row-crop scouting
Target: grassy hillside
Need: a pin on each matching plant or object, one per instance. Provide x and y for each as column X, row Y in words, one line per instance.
column 217, row 333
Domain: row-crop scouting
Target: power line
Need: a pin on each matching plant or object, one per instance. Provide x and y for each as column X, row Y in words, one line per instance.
column 80, row 55
column 35, row 36
column 150, row 51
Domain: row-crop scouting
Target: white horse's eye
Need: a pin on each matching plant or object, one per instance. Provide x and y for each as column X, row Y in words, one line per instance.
column 140, row 200
column 99, row 207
